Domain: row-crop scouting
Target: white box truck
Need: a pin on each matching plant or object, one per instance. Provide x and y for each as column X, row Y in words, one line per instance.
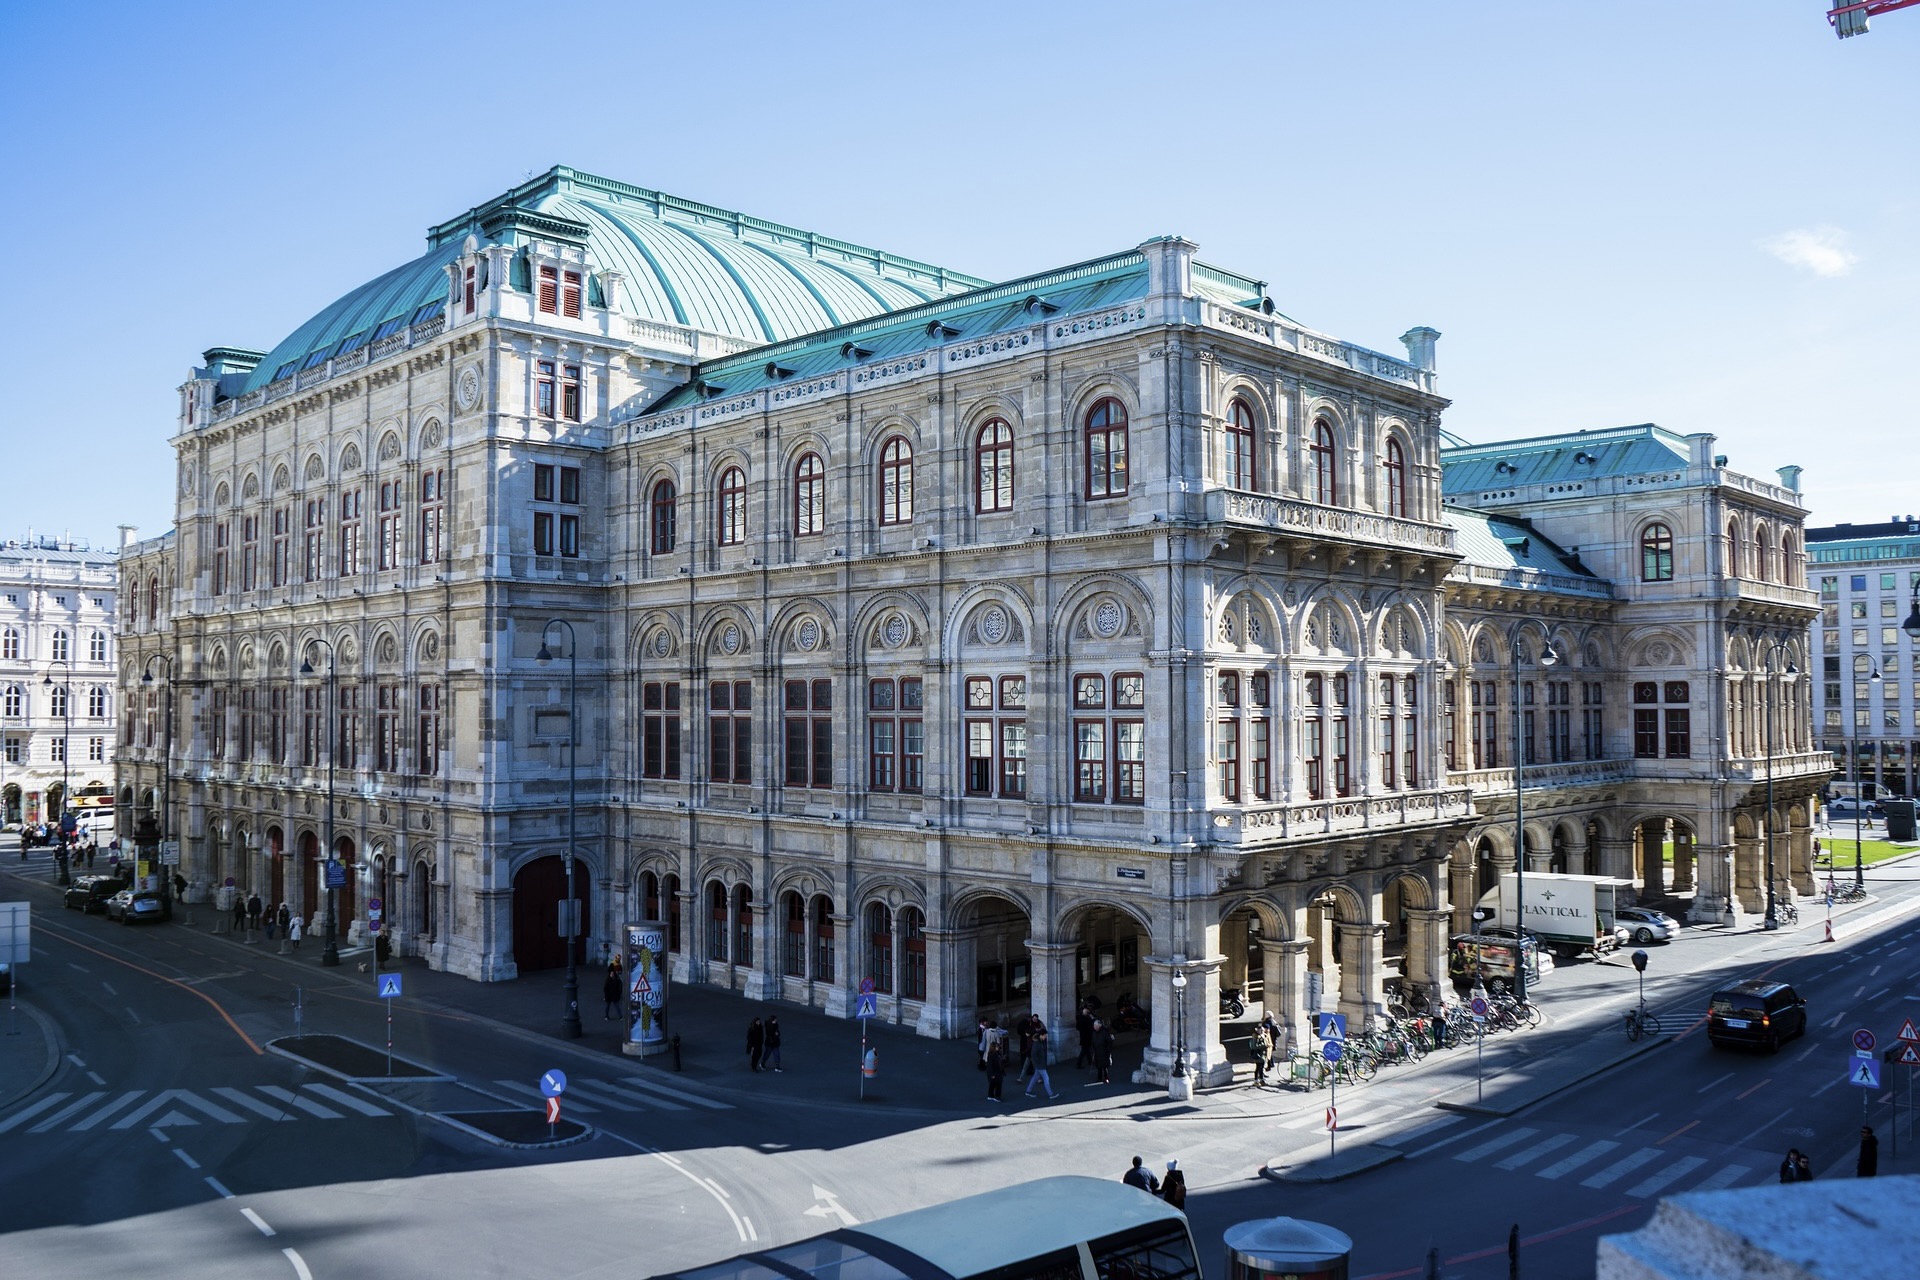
column 1570, row 914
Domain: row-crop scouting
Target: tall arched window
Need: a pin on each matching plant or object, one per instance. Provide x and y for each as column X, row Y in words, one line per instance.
column 896, row 481
column 993, row 467
column 880, row 947
column 1733, row 549
column 1107, row 450
column 10, row 644
column 13, row 704
column 823, row 939
column 1240, row 440
column 97, row 702
column 1326, row 487
column 97, row 647
column 717, row 921
column 913, row 959
column 1395, row 467
column 664, row 511
column 1787, row 561
column 793, row 954
column 730, row 514
column 809, row 496
column 153, row 600
column 742, row 925
column 62, row 647
column 1760, row 557
column 1656, row 553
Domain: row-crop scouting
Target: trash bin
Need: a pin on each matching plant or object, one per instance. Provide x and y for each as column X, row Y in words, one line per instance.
column 1272, row 1248
column 1900, row 820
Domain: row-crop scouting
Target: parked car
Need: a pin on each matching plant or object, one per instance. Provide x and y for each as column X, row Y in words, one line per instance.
column 129, row 905
column 1847, row 810
column 1644, row 924
column 90, row 893
column 1759, row 1012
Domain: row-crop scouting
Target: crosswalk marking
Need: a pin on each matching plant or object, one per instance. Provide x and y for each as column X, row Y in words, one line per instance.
column 53, row 1121
column 1725, row 1178
column 239, row 1098
column 652, row 1093
column 602, row 1094
column 1592, row 1151
column 528, row 1091
column 1494, row 1144
column 1433, row 1126
column 1673, row 1172
column 1622, row 1167
column 293, row 1099
column 346, row 1099
column 1544, row 1147
column 21, row 1117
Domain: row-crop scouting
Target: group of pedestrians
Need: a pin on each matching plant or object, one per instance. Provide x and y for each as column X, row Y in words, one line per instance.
column 1035, row 1052
column 1096, row 1044
column 1172, row 1188
column 253, row 915
column 1797, row 1167
column 1266, row 1043
column 763, row 1043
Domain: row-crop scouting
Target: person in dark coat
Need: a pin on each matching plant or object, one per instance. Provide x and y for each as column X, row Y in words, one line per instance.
column 772, row 1058
column 1173, row 1187
column 286, row 916
column 1869, row 1163
column 996, row 1068
column 756, row 1043
column 1139, row 1177
column 611, row 990
column 1789, row 1168
column 1102, row 1053
column 254, row 909
column 1083, row 1023
column 1803, row 1168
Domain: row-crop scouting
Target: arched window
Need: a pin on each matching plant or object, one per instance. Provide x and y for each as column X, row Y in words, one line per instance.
column 880, row 947
column 1656, row 553
column 730, row 514
column 913, row 960
column 97, row 702
column 10, row 644
column 13, row 704
column 896, row 481
column 62, row 647
column 664, row 511
column 717, row 921
column 1240, row 439
column 57, row 707
column 1760, row 557
column 97, row 647
column 670, row 894
column 809, row 496
column 1326, row 486
column 793, row 955
column 1787, row 561
column 153, row 600
column 1107, row 450
column 742, row 925
column 1733, row 549
column 1396, row 478
column 993, row 467
column 823, row 939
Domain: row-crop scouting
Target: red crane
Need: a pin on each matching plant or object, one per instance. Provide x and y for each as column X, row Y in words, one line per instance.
column 1851, row 19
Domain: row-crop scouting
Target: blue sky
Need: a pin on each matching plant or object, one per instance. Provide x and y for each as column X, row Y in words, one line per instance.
column 1704, row 215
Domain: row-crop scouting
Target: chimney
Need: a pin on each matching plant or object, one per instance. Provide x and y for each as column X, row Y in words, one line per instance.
column 1420, row 340
column 126, row 535
column 1790, row 479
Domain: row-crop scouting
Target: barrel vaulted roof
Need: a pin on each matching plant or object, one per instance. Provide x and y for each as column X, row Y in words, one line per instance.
column 680, row 263
column 1569, row 457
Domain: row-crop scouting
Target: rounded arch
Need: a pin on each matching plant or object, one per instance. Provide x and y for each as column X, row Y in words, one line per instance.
column 222, row 495
column 349, row 458
column 874, row 612
column 282, row 479
column 1248, row 621
column 1328, row 623
column 1139, row 623
column 654, row 637
column 1348, row 906
column 789, row 626
column 250, row 486
column 965, row 614
column 1416, row 891
column 962, row 909
column 1275, row 924
column 1402, row 628
column 726, row 632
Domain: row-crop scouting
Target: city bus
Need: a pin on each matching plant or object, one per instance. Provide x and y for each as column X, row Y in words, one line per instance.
column 1066, row 1228
column 93, row 813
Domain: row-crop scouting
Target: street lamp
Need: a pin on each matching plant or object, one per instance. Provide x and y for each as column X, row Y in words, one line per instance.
column 571, row 1023
column 1853, row 775
column 1180, row 1024
column 330, row 953
column 166, row 780
column 1790, row 671
column 66, row 753
column 1547, row 658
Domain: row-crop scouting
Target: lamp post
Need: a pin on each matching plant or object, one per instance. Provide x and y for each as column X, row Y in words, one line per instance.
column 166, row 781
column 1179, row 1030
column 66, row 754
column 1547, row 658
column 1853, row 775
column 330, row 952
column 1790, row 671
column 571, row 1023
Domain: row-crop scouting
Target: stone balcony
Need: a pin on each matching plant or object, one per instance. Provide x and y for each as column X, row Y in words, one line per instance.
column 1237, row 509
column 1782, row 766
column 1257, row 825
column 1570, row 773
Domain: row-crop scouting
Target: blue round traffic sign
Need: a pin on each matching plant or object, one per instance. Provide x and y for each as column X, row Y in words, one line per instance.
column 1479, row 1006
column 1331, row 1051
column 1863, row 1040
column 553, row 1084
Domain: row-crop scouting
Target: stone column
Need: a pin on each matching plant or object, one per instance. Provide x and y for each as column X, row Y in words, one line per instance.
column 1287, row 989
column 1799, row 842
column 1460, row 892
column 1362, row 953
column 1577, row 851
column 1616, row 858
column 1427, row 950
column 846, row 969
column 1749, row 874
column 940, row 1014
column 1654, row 872
column 1682, row 860
column 1713, row 889
column 1053, row 990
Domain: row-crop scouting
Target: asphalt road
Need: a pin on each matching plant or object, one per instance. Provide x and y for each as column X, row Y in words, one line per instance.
column 125, row 1152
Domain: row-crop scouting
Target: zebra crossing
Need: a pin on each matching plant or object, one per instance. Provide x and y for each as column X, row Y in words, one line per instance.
column 588, row 1096
column 104, row 1111
column 1596, row 1164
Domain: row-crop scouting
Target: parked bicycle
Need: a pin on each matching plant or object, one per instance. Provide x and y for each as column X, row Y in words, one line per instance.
column 1641, row 1023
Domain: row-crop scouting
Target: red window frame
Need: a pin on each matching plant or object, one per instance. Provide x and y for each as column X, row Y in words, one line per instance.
column 427, row 738
column 1106, row 450
column 993, row 467
column 433, row 514
column 349, row 524
column 543, row 394
column 896, row 481
column 279, row 555
column 809, row 496
column 730, row 512
column 1326, row 483
column 1396, row 475
column 570, row 392
column 660, row 729
column 664, row 510
column 550, row 290
column 1242, row 464
column 730, row 731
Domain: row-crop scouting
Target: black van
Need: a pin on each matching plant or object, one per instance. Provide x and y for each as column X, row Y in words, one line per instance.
column 90, row 893
column 1759, row 1012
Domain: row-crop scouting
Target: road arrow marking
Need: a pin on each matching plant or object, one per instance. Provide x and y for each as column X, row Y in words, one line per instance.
column 829, row 1207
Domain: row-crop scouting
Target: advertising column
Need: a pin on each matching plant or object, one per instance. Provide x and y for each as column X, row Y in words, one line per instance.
column 646, row 984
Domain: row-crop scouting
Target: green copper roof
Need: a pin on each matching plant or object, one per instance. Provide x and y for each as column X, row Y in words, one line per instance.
column 682, row 263
column 1570, row 457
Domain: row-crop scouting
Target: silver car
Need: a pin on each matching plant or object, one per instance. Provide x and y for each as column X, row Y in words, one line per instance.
column 1645, row 925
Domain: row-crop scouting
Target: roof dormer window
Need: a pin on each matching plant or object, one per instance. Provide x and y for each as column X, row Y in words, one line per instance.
column 560, row 292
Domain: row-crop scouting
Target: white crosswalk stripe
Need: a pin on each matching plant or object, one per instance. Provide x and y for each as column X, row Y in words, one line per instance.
column 346, row 1099
column 525, row 1090
column 101, row 1111
column 1672, row 1173
column 307, row 1105
column 1725, row 1178
column 602, row 1094
column 1545, row 1146
column 1585, row 1155
column 1622, row 1167
column 1660, row 1171
column 1495, row 1144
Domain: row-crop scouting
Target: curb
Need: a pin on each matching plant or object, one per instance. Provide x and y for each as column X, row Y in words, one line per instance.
column 50, row 1035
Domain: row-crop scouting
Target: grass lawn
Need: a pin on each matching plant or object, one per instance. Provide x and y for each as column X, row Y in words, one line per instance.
column 1840, row 849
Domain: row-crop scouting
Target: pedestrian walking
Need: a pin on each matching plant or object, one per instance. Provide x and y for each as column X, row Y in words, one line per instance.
column 1789, row 1167
column 1869, row 1162
column 92, row 849
column 996, row 1068
column 1140, row 1177
column 294, row 932
column 1262, row 1049
column 1102, row 1053
column 286, row 920
column 771, row 1059
column 1038, row 1057
column 756, row 1043
column 1026, row 1047
column 1083, row 1025
column 383, row 951
column 255, row 909
column 1173, row 1187
column 611, row 991
column 239, row 911
column 1803, row 1168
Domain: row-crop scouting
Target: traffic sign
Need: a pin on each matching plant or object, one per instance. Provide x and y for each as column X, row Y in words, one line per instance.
column 1331, row 1026
column 1864, row 1072
column 1333, row 1119
column 388, row 985
column 1863, row 1040
column 553, row 1084
column 1479, row 1006
column 1331, row 1050
column 1907, row 1055
column 336, row 874
column 553, row 1111
column 866, row 1005
column 1907, row 1032
column 866, row 986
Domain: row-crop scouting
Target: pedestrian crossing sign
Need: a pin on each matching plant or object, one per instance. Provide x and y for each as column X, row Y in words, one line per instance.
column 866, row 1005
column 389, row 985
column 1864, row 1072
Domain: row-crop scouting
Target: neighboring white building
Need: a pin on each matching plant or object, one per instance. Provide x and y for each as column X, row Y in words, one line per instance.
column 998, row 643
column 57, row 674
column 1868, row 576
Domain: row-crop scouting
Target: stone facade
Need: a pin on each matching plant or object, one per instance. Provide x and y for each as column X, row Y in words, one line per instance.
column 1036, row 640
